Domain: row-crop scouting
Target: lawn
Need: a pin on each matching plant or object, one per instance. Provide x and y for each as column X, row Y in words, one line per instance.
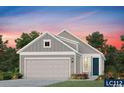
column 78, row 84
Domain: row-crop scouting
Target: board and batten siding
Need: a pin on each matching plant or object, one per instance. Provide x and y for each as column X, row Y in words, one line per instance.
column 37, row 46
column 22, row 58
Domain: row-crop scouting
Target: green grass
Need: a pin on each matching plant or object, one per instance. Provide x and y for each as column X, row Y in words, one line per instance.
column 78, row 84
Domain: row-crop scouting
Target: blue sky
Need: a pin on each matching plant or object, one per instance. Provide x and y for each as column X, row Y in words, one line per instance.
column 80, row 20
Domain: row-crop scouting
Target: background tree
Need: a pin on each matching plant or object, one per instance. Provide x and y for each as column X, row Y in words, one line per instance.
column 97, row 40
column 3, row 45
column 26, row 38
column 10, row 60
column 122, row 39
column 8, row 57
column 120, row 57
column 111, row 58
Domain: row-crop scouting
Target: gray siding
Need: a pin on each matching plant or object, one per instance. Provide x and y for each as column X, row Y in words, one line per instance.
column 68, row 35
column 103, row 65
column 22, row 57
column 38, row 45
column 70, row 44
column 83, row 48
column 78, row 63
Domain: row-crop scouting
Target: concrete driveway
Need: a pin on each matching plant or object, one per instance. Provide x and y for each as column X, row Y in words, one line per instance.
column 27, row 83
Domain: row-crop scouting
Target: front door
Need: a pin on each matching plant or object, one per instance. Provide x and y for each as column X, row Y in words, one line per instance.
column 95, row 66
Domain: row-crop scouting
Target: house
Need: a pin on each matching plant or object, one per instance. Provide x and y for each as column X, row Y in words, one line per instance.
column 58, row 56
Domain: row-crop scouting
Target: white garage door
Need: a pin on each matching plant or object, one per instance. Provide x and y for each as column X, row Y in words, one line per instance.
column 47, row 68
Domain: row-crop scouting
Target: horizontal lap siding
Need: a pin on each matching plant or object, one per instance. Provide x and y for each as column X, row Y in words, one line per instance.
column 37, row 56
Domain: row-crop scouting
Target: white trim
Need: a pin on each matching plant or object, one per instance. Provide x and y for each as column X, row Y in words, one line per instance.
column 83, row 42
column 25, row 65
column 47, row 53
column 42, row 36
column 47, row 40
column 47, row 58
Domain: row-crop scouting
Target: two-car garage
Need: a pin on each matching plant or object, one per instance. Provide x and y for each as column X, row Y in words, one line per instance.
column 47, row 68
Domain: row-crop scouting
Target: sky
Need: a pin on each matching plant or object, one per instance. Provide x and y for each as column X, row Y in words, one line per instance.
column 79, row 20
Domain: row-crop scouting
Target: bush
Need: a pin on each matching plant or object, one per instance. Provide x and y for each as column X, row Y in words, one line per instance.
column 17, row 76
column 20, row 75
column 111, row 75
column 79, row 76
column 7, row 75
column 1, row 75
column 101, row 77
column 10, row 75
column 85, row 76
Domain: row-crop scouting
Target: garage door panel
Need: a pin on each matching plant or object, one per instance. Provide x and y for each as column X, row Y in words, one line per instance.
column 47, row 68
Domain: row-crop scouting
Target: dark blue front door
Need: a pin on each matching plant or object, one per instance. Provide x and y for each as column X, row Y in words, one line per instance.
column 95, row 66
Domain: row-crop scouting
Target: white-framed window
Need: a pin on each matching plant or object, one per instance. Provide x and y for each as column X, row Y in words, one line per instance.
column 47, row 43
column 86, row 63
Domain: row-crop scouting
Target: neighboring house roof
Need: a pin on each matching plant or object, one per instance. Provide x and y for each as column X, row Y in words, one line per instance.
column 21, row 50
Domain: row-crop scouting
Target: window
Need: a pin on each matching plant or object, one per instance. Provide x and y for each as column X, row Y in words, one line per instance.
column 86, row 63
column 47, row 43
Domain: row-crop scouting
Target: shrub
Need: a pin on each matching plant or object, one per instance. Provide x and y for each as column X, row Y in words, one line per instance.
column 110, row 75
column 121, row 75
column 73, row 76
column 17, row 76
column 20, row 75
column 7, row 75
column 79, row 76
column 101, row 77
column 1, row 75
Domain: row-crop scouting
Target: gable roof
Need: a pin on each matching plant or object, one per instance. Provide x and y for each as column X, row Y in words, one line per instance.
column 41, row 37
column 68, row 40
column 66, row 31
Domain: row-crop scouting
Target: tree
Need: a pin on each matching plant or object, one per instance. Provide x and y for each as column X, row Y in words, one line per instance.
column 122, row 39
column 115, row 59
column 3, row 45
column 111, row 58
column 97, row 40
column 26, row 38
column 10, row 60
column 8, row 56
column 111, row 53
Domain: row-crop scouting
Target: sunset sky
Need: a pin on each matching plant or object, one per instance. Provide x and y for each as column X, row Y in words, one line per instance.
column 81, row 21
